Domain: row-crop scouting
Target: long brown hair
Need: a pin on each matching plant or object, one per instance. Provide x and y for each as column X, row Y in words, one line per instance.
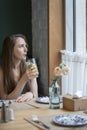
column 8, row 61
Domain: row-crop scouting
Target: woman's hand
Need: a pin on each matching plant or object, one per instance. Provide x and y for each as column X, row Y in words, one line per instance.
column 25, row 97
column 30, row 74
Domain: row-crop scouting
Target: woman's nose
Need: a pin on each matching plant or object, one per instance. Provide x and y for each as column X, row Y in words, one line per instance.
column 25, row 49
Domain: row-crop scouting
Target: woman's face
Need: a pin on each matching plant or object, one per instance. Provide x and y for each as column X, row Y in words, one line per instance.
column 20, row 49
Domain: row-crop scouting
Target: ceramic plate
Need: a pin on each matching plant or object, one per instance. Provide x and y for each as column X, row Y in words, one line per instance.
column 70, row 120
column 44, row 100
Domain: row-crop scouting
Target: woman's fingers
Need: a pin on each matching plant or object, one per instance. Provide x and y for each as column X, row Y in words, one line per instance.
column 24, row 97
column 32, row 73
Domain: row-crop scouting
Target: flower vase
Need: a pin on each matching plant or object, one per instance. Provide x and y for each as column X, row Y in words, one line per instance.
column 54, row 95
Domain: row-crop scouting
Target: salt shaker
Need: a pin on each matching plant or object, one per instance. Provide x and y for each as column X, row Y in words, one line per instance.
column 10, row 112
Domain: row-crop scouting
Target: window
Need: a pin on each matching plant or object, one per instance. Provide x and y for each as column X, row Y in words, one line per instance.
column 75, row 55
column 75, row 13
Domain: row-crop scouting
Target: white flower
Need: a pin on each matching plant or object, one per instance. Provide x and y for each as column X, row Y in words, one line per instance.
column 61, row 69
column 65, row 70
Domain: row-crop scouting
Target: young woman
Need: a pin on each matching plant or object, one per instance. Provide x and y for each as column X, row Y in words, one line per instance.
column 16, row 81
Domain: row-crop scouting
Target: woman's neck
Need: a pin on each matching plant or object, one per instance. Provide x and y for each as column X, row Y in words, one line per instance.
column 17, row 64
column 16, row 72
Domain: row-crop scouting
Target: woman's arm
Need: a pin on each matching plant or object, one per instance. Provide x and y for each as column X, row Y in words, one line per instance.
column 32, row 93
column 18, row 89
column 15, row 94
column 34, row 87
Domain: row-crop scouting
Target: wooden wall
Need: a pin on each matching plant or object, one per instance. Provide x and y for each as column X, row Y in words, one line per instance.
column 56, row 33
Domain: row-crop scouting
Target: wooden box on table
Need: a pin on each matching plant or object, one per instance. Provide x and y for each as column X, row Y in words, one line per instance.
column 74, row 104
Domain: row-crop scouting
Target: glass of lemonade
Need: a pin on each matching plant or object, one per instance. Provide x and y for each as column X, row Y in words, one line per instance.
column 31, row 64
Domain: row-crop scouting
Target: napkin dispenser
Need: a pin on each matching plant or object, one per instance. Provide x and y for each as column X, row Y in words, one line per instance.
column 74, row 104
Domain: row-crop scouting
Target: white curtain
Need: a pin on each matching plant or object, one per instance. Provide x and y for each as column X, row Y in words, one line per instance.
column 76, row 80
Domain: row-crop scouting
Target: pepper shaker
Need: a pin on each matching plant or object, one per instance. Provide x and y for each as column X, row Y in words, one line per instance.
column 4, row 112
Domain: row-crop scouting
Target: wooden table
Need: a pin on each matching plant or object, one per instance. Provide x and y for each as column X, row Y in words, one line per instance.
column 45, row 114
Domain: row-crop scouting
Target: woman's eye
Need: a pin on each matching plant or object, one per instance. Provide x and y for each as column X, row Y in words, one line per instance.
column 22, row 45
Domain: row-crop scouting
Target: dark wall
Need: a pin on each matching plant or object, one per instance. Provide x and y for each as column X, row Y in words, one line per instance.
column 40, row 41
column 15, row 17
